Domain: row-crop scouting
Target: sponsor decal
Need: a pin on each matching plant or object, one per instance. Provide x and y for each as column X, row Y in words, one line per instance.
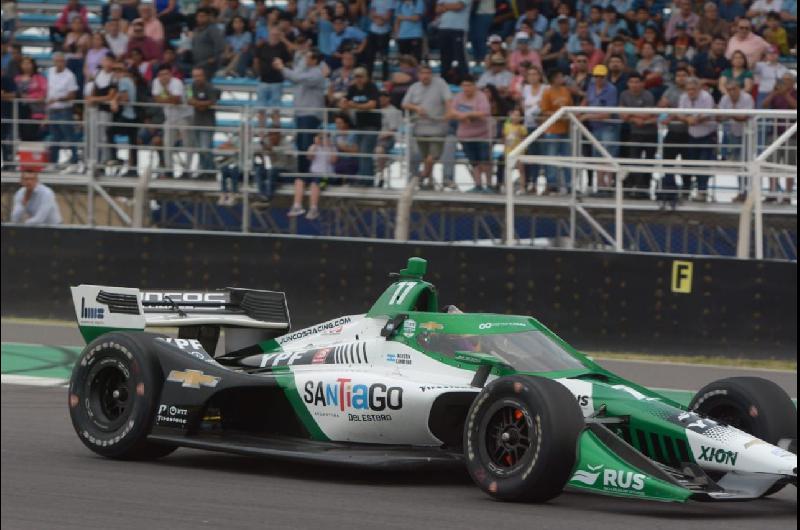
column 334, row 331
column 183, row 298
column 754, row 441
column 369, row 417
column 398, row 358
column 193, row 378
column 431, row 326
column 314, row 330
column 91, row 313
column 320, row 356
column 171, row 415
column 425, row 388
column 720, row 456
column 614, row 480
column 351, row 353
column 347, row 397
column 782, row 453
column 401, row 292
column 281, row 359
column 492, row 325
column 409, row 328
column 694, row 422
column 190, row 346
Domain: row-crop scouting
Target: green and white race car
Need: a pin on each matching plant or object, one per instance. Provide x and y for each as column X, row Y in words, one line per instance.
column 409, row 383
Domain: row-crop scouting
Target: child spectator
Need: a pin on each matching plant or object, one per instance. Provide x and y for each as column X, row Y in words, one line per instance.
column 776, row 34
column 514, row 131
column 471, row 109
column 767, row 73
column 322, row 156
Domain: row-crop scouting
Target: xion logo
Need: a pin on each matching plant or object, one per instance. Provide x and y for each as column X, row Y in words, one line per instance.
column 193, row 378
column 346, row 396
column 91, row 313
column 720, row 456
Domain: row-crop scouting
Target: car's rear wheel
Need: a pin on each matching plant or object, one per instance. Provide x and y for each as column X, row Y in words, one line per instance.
column 112, row 396
column 520, row 438
column 754, row 405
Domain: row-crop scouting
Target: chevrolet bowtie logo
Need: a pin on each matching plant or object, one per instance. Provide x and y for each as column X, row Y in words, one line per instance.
column 192, row 378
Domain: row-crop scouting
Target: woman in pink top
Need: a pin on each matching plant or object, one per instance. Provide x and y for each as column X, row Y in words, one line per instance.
column 32, row 86
column 472, row 110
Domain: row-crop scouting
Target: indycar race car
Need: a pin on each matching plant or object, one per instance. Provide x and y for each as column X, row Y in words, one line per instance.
column 409, row 383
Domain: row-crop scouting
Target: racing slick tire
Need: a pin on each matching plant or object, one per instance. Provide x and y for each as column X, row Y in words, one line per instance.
column 112, row 396
column 754, row 405
column 520, row 438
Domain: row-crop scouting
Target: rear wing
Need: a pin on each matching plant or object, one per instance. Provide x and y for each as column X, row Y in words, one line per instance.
column 100, row 309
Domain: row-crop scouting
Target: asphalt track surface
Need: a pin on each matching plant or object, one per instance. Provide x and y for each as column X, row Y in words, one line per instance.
column 48, row 479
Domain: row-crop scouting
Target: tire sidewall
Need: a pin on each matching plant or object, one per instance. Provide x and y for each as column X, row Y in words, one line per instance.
column 132, row 357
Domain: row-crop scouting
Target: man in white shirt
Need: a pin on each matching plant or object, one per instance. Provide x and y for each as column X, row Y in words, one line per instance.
column 733, row 128
column 62, row 88
column 35, row 203
column 702, row 133
column 169, row 91
column 766, row 73
column 116, row 39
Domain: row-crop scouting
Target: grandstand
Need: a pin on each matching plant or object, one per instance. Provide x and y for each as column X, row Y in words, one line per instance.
column 386, row 202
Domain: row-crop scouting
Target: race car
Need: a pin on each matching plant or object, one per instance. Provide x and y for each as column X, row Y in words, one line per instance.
column 411, row 383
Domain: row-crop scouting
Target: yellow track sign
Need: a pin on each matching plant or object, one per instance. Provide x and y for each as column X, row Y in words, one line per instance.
column 682, row 276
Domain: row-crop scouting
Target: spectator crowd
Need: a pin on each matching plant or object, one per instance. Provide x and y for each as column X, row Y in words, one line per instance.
column 476, row 71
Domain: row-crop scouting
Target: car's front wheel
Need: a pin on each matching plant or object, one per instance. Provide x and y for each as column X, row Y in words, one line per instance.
column 112, row 396
column 520, row 438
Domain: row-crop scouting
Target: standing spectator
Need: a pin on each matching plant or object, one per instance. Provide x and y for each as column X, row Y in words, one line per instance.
column 710, row 27
column 9, row 20
column 601, row 93
column 402, row 78
column 581, row 76
column 345, row 38
column 233, row 9
column 391, row 121
column 653, row 67
column 169, row 91
column 31, row 86
column 280, row 151
column 208, row 43
column 783, row 97
column 99, row 93
column 322, row 156
column 116, row 12
column 62, row 88
column 616, row 73
column 760, row 9
column 380, row 29
column 708, row 66
column 125, row 117
column 643, row 136
column 767, row 73
column 523, row 53
column 153, row 27
column 427, row 100
column 776, row 34
column 270, row 87
column 202, row 96
column 513, row 133
column 98, row 49
column 310, row 95
column 531, row 97
column 238, row 49
column 497, row 75
column 738, row 71
column 595, row 54
column 408, row 27
column 35, row 203
column 733, row 129
column 169, row 13
column 471, row 109
column 453, row 26
column 150, row 49
column 73, row 10
column 556, row 137
column 362, row 96
column 554, row 53
column 76, row 43
column 346, row 141
column 789, row 19
column 677, row 139
column 731, row 10
column 480, row 23
column 116, row 39
column 12, row 59
column 683, row 14
column 747, row 42
column 341, row 79
column 702, row 133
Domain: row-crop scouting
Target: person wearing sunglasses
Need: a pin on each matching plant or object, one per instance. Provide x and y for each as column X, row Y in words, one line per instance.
column 747, row 42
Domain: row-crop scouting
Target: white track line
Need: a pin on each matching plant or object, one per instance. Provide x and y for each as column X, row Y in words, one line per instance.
column 29, row 380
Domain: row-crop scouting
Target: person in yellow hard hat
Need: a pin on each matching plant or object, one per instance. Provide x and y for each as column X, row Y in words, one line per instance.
column 601, row 93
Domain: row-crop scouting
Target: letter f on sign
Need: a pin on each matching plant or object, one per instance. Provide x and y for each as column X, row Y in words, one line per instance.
column 682, row 276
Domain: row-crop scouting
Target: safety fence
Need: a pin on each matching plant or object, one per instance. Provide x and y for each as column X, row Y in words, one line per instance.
column 243, row 154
